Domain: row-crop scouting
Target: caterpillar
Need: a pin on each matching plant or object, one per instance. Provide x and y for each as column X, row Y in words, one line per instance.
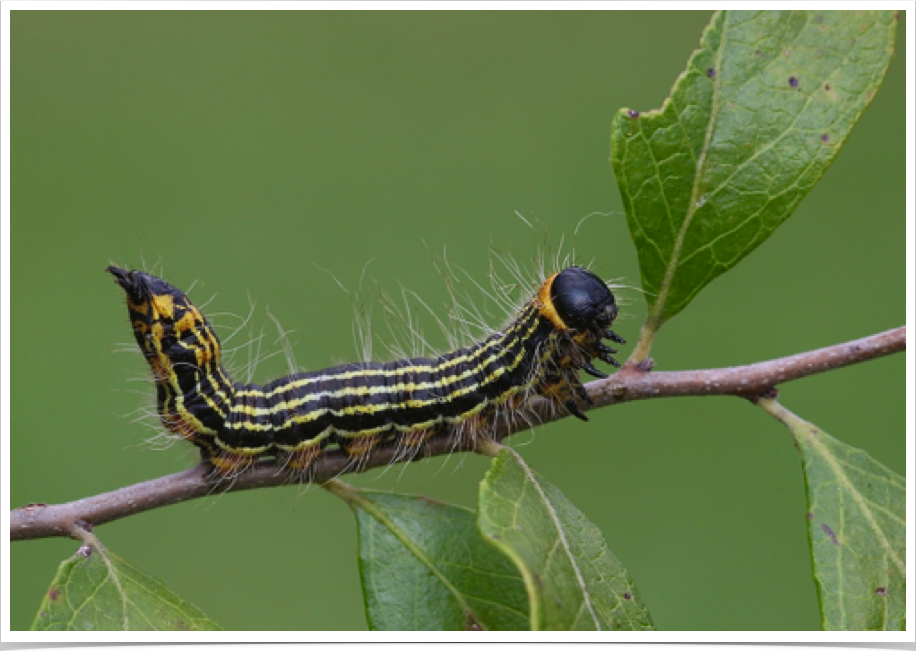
column 357, row 406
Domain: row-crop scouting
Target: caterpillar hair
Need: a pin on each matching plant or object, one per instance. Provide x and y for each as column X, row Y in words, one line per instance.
column 460, row 393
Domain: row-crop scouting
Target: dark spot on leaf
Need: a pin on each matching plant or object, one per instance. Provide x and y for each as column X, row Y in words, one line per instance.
column 627, row 596
column 633, row 114
column 430, row 500
column 42, row 614
column 829, row 532
column 881, row 591
column 182, row 625
column 827, row 87
column 53, row 594
column 537, row 579
column 825, row 137
column 810, row 515
column 758, row 53
column 793, row 82
column 896, row 15
column 711, row 73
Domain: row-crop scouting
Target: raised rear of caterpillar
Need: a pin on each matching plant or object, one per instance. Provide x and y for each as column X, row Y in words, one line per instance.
column 357, row 406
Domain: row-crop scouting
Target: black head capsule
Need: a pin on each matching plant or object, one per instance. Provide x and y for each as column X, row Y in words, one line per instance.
column 585, row 304
column 582, row 300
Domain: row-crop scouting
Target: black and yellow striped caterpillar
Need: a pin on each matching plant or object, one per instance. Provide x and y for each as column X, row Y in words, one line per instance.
column 357, row 406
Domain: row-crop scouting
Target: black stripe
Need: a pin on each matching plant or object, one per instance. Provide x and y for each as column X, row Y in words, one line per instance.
column 392, row 402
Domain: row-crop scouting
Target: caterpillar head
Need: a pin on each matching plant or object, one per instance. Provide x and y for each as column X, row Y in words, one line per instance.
column 167, row 325
column 582, row 300
column 580, row 305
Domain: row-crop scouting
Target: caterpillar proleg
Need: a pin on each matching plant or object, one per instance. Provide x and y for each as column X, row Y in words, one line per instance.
column 357, row 406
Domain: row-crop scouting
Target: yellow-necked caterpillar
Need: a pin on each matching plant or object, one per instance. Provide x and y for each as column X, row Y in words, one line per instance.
column 357, row 406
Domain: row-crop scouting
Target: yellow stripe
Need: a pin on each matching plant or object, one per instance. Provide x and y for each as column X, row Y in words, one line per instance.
column 353, row 410
column 176, row 392
column 251, row 410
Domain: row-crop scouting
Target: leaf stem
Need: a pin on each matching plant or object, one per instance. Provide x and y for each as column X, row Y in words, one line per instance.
column 646, row 337
column 777, row 411
column 344, row 491
column 489, row 447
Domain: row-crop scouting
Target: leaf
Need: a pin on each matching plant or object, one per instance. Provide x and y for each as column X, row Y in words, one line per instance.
column 750, row 126
column 95, row 590
column 574, row 582
column 856, row 529
column 425, row 566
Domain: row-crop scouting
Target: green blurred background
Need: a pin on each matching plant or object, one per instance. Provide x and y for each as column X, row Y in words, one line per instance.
column 244, row 150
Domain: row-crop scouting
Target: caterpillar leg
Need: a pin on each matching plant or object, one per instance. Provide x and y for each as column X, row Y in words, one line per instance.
column 476, row 427
column 359, row 448
column 227, row 466
column 179, row 426
column 297, row 462
column 575, row 390
column 562, row 385
column 411, row 443
column 561, row 389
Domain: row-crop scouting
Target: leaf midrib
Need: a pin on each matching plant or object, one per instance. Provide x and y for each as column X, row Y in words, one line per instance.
column 369, row 507
column 803, row 428
column 562, row 538
column 658, row 309
column 844, row 480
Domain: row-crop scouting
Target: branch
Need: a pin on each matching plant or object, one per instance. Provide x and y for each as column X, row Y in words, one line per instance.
column 631, row 383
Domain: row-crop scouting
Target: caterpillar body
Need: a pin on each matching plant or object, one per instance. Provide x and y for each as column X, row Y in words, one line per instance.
column 356, row 406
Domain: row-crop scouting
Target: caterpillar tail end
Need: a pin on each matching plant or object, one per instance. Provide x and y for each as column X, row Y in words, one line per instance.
column 121, row 276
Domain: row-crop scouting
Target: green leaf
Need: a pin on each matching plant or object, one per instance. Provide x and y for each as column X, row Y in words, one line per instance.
column 425, row 566
column 95, row 590
column 574, row 582
column 750, row 126
column 856, row 529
